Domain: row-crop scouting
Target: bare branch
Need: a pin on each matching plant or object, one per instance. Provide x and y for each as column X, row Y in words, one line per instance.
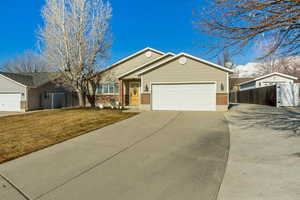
column 28, row 61
column 76, row 39
column 240, row 23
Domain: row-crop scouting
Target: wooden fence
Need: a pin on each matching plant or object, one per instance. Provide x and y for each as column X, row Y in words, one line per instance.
column 262, row 96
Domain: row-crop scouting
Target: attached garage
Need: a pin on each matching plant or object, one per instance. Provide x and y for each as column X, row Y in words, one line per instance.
column 185, row 83
column 12, row 93
column 21, row 92
column 10, row 102
column 153, row 80
column 184, row 96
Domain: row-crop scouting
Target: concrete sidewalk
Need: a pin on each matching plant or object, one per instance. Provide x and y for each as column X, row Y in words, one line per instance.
column 154, row 155
column 264, row 159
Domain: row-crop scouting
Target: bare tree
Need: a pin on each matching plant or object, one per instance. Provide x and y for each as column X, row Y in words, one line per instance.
column 274, row 63
column 29, row 61
column 225, row 59
column 76, row 39
column 239, row 23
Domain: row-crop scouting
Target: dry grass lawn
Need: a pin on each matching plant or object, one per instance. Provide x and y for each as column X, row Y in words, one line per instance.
column 23, row 134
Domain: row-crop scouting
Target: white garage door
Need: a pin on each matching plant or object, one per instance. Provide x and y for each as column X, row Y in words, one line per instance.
column 185, row 97
column 10, row 102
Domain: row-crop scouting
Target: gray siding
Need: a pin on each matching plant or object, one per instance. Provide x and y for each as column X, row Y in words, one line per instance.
column 192, row 71
column 33, row 99
column 128, row 65
column 37, row 98
column 9, row 86
column 135, row 74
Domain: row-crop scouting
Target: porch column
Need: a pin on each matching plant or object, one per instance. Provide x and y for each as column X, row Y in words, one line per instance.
column 121, row 92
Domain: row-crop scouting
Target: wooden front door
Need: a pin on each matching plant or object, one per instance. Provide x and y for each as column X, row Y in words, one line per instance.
column 134, row 93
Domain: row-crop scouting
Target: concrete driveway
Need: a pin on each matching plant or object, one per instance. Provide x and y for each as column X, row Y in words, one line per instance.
column 154, row 155
column 264, row 161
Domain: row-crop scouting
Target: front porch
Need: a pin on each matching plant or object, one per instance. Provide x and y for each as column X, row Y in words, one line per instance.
column 130, row 92
column 127, row 93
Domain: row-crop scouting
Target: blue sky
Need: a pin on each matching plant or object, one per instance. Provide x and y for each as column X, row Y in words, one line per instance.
column 165, row 25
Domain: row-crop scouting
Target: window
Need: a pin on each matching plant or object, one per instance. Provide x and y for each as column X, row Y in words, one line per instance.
column 105, row 89
column 111, row 88
column 108, row 88
column 116, row 88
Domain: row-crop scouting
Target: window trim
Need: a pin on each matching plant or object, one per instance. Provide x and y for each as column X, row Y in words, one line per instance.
column 108, row 88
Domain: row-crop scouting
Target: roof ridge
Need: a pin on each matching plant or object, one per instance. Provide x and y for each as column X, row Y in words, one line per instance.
column 189, row 56
column 146, row 64
column 131, row 56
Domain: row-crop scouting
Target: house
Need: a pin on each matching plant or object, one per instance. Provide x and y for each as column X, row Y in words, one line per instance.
column 267, row 80
column 234, row 83
column 154, row 80
column 31, row 91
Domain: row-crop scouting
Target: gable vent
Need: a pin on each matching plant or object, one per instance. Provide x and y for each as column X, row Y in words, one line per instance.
column 183, row 60
column 148, row 54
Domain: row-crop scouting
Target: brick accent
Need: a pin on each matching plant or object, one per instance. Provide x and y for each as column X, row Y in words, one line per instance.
column 106, row 99
column 145, row 99
column 222, row 99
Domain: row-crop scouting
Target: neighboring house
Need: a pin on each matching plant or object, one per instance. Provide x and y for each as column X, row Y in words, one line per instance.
column 267, row 80
column 153, row 80
column 31, row 91
column 234, row 83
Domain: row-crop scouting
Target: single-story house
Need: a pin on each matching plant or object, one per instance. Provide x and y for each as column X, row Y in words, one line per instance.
column 154, row 80
column 267, row 80
column 234, row 83
column 31, row 91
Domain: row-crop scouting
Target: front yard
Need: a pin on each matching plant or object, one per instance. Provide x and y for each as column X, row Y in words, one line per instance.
column 23, row 134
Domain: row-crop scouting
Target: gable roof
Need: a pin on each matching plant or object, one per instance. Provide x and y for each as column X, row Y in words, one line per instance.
column 189, row 56
column 236, row 81
column 268, row 75
column 131, row 56
column 31, row 79
column 146, row 64
column 18, row 78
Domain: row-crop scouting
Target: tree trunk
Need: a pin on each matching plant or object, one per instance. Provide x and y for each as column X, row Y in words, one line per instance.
column 81, row 98
column 91, row 92
column 93, row 101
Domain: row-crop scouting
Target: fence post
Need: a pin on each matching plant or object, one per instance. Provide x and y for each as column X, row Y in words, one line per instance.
column 278, row 101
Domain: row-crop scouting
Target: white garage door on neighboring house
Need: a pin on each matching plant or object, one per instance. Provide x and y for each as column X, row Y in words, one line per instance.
column 184, row 96
column 10, row 102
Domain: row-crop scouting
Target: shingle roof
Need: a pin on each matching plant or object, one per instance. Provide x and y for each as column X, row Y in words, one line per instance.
column 32, row 79
column 271, row 74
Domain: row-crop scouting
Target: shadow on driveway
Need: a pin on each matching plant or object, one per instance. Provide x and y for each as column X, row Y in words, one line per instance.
column 282, row 119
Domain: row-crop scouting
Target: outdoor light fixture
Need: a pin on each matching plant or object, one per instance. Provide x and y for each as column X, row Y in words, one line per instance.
column 222, row 87
column 146, row 88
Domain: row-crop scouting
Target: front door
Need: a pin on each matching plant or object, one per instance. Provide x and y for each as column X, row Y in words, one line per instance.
column 134, row 92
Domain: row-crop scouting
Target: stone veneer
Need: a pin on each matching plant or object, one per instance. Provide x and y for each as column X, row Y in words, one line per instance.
column 105, row 99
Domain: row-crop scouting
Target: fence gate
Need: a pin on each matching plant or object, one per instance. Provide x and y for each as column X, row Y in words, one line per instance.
column 287, row 94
